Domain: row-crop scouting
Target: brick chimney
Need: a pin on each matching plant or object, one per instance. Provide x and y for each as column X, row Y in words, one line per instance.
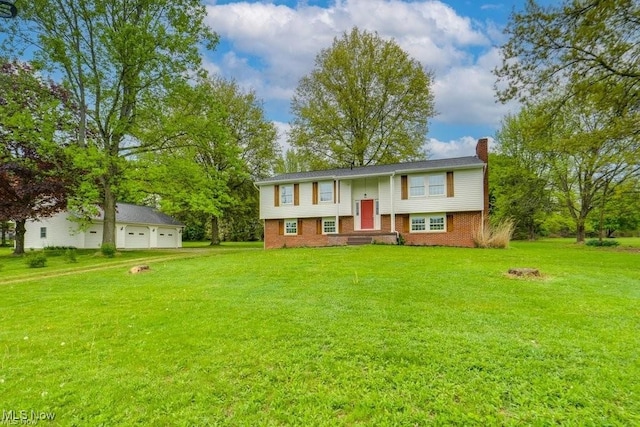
column 482, row 149
column 482, row 152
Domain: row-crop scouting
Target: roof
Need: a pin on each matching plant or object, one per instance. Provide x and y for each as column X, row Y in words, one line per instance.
column 134, row 214
column 417, row 166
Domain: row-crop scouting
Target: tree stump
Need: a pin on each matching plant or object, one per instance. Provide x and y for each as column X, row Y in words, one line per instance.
column 524, row 272
column 138, row 269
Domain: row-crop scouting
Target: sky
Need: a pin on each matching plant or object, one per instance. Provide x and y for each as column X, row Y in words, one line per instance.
column 268, row 46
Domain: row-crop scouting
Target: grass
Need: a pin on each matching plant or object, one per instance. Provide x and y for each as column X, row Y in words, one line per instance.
column 370, row 335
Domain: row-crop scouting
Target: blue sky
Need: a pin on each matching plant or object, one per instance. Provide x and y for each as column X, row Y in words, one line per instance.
column 267, row 46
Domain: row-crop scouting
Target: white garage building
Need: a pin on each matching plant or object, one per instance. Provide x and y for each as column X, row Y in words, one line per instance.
column 137, row 227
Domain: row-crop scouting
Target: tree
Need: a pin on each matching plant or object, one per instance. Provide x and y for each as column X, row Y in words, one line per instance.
column 586, row 48
column 222, row 143
column 114, row 56
column 581, row 159
column 621, row 211
column 366, row 102
column 36, row 123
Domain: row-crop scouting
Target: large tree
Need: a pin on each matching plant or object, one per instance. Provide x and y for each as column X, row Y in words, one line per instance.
column 572, row 146
column 36, row 123
column 114, row 54
column 585, row 48
column 366, row 102
column 221, row 143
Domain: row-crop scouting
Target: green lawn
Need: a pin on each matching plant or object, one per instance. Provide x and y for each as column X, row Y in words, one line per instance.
column 369, row 335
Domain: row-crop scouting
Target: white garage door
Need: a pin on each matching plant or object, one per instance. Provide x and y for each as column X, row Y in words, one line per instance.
column 167, row 237
column 136, row 237
column 93, row 237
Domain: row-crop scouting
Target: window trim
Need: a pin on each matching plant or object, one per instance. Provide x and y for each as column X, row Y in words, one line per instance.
column 330, row 185
column 412, row 187
column 427, row 223
column 283, row 189
column 442, row 185
column 324, row 225
column 287, row 226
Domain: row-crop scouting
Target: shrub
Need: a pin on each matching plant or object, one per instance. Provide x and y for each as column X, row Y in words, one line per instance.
column 71, row 255
column 602, row 243
column 108, row 250
column 494, row 236
column 36, row 260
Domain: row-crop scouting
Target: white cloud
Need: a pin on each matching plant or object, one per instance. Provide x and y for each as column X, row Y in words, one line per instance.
column 462, row 147
column 283, row 134
column 273, row 46
column 466, row 94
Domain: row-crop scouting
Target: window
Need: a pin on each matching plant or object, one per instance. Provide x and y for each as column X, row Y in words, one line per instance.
column 436, row 185
column 427, row 223
column 43, row 232
column 328, row 225
column 291, row 227
column 436, row 223
column 286, row 194
column 418, row 224
column 416, row 186
column 326, row 191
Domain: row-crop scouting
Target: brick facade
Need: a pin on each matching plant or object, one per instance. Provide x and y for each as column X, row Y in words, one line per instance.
column 460, row 225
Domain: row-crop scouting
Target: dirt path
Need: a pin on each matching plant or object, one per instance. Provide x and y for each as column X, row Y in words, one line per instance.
column 119, row 264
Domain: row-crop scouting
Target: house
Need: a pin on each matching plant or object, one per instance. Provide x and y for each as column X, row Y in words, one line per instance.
column 137, row 227
column 430, row 202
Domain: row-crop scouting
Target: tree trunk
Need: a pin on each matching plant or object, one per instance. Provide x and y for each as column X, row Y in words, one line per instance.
column 215, row 231
column 20, row 232
column 580, row 230
column 4, row 235
column 109, row 225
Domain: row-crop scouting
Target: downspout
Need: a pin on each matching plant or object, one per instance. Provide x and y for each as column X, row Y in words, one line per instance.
column 337, row 195
column 393, row 211
column 264, row 243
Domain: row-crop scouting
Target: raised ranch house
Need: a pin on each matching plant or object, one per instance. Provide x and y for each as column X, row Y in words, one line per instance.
column 137, row 227
column 430, row 202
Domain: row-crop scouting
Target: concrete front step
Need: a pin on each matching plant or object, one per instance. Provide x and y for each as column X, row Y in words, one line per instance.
column 359, row 240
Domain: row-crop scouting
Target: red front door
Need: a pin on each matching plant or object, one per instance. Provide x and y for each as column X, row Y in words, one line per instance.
column 366, row 217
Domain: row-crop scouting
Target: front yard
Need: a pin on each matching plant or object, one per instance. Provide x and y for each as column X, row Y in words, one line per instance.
column 370, row 335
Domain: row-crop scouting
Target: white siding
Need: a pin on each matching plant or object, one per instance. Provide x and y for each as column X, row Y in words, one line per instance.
column 92, row 237
column 60, row 232
column 306, row 208
column 467, row 190
column 468, row 196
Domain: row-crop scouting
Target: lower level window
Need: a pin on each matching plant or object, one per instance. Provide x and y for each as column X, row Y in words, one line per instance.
column 418, row 224
column 329, row 226
column 43, row 232
column 426, row 223
column 436, row 223
column 291, row 226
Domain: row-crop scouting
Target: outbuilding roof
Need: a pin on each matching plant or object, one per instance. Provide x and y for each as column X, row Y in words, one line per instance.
column 417, row 166
column 134, row 214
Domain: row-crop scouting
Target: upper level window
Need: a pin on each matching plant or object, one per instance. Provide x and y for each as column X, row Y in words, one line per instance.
column 416, row 186
column 286, row 194
column 436, row 185
column 326, row 191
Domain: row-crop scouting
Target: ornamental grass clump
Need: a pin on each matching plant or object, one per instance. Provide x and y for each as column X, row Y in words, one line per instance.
column 494, row 236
